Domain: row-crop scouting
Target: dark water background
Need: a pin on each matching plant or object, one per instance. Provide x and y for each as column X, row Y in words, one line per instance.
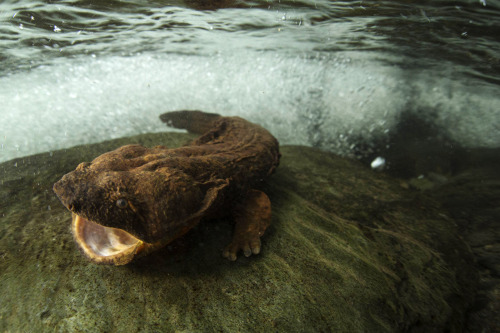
column 333, row 74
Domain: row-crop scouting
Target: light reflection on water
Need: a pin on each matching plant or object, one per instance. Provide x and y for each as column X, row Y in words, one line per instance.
column 464, row 32
column 329, row 74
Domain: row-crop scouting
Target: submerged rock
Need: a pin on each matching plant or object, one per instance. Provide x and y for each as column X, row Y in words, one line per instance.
column 472, row 198
column 349, row 249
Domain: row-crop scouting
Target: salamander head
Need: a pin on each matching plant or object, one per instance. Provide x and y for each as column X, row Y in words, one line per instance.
column 123, row 207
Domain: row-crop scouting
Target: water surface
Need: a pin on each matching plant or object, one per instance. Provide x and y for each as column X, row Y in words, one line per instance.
column 333, row 74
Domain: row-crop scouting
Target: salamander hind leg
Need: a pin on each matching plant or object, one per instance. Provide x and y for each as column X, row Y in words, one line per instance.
column 252, row 217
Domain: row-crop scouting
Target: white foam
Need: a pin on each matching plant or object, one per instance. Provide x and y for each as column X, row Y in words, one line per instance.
column 467, row 110
column 319, row 100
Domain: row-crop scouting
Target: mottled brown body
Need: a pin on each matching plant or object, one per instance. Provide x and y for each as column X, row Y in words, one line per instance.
column 158, row 194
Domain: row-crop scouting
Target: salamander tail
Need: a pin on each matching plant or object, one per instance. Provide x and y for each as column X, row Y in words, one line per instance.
column 197, row 122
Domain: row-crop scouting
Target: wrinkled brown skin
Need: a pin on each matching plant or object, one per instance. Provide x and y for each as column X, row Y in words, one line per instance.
column 168, row 191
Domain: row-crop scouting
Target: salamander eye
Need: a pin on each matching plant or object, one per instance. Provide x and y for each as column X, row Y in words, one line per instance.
column 121, row 203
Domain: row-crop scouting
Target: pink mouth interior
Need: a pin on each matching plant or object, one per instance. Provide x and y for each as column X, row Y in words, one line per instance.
column 103, row 244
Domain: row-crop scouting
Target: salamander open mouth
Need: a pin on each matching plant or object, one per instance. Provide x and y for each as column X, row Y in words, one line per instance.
column 105, row 245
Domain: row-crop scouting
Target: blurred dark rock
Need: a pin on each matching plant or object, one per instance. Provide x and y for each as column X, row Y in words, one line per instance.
column 472, row 199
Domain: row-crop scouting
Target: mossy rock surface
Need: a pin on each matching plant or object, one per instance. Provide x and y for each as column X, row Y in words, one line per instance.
column 349, row 250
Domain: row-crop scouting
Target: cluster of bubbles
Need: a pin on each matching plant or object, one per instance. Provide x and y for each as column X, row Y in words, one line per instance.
column 331, row 101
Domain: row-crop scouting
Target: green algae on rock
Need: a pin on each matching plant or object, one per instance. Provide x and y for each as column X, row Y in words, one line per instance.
column 348, row 250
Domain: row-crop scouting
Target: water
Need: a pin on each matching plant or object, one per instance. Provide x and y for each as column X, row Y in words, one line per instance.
column 335, row 75
column 405, row 81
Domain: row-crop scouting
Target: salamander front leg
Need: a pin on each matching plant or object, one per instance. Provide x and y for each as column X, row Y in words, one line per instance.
column 252, row 217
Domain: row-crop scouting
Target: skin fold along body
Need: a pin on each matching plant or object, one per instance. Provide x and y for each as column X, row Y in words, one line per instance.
column 133, row 200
